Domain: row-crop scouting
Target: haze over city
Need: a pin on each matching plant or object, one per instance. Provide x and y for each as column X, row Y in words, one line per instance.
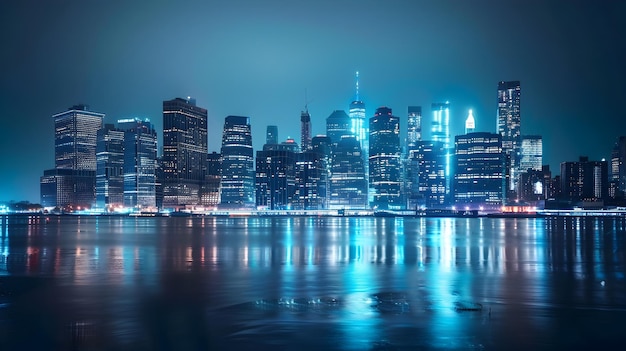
column 258, row 59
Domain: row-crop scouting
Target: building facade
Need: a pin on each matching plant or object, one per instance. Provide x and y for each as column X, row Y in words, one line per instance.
column 479, row 182
column 140, row 157
column 385, row 179
column 531, row 153
column 275, row 179
column 348, row 185
column 414, row 127
column 584, row 183
column 184, row 152
column 305, row 130
column 430, row 165
column 110, row 168
column 338, row 125
column 509, row 124
column 440, row 133
column 212, row 185
column 238, row 179
column 75, row 135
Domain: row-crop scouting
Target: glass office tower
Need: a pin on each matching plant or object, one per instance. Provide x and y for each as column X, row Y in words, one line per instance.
column 237, row 164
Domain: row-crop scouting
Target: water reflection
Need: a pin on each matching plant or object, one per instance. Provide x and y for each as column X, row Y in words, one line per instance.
column 395, row 282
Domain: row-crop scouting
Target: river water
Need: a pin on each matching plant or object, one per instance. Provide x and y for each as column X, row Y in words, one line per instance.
column 328, row 283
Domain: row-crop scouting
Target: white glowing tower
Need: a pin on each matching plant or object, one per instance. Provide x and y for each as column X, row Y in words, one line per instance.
column 470, row 124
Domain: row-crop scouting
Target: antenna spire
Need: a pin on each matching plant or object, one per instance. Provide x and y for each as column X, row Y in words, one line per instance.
column 357, row 86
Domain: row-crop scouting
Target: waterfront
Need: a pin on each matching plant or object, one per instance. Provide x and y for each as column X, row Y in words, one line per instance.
column 123, row 283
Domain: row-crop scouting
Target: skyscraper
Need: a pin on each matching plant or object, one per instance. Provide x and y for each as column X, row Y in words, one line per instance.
column 275, row 175
column 479, row 171
column 441, row 123
column 338, row 125
column 509, row 123
column 184, row 152
column 384, row 160
column 140, row 154
column 618, row 164
column 531, row 153
column 359, row 127
column 430, row 158
column 211, row 188
column 305, row 130
column 72, row 183
column 271, row 135
column 110, row 168
column 348, row 185
column 75, row 133
column 470, row 124
column 237, row 164
column 414, row 127
column 322, row 149
column 440, row 133
column 584, row 182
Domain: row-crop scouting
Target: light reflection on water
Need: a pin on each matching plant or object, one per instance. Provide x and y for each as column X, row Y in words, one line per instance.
column 350, row 283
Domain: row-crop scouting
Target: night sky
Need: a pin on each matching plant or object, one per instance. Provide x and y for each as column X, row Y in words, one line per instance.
column 257, row 58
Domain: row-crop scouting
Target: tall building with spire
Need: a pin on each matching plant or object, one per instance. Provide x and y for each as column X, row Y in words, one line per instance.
column 470, row 124
column 305, row 130
column 359, row 127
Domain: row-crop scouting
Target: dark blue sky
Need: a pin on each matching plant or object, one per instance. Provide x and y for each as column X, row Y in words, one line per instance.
column 256, row 58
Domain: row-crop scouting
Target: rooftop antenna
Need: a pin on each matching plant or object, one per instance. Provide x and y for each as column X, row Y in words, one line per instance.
column 357, row 86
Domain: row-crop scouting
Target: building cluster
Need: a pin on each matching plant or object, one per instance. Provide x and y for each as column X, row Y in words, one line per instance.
column 360, row 163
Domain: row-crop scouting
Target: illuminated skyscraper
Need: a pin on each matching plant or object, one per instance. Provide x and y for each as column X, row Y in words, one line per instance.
column 211, row 187
column 237, row 164
column 75, row 132
column 358, row 126
column 348, row 185
column 479, row 171
column 618, row 165
column 271, row 135
column 72, row 183
column 430, row 161
column 414, row 126
column 184, row 152
column 275, row 175
column 509, row 123
column 532, row 153
column 440, row 133
column 140, row 152
column 110, row 168
column 585, row 182
column 305, row 130
column 338, row 126
column 384, row 159
column 322, row 160
column 470, row 124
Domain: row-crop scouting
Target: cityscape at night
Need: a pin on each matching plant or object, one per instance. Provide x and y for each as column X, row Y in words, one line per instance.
column 329, row 175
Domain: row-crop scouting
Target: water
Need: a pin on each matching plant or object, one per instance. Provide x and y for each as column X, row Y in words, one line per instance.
column 118, row 283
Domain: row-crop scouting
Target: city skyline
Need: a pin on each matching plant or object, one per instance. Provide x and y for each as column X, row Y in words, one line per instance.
column 260, row 61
